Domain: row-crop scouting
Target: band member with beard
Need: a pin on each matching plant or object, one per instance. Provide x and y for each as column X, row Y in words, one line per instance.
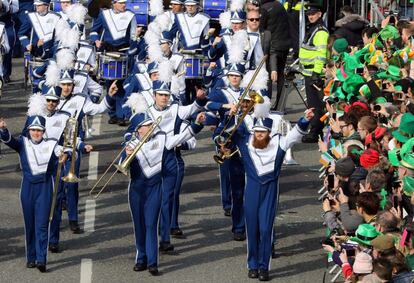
column 262, row 155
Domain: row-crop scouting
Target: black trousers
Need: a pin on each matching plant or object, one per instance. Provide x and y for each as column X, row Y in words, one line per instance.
column 281, row 57
column 314, row 100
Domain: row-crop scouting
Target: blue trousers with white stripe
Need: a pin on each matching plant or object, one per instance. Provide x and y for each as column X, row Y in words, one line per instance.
column 72, row 190
column 260, row 207
column 145, row 205
column 177, row 190
column 57, row 216
column 36, row 199
column 225, row 184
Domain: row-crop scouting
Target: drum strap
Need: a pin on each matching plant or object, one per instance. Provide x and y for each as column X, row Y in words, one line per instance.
column 43, row 25
column 117, row 23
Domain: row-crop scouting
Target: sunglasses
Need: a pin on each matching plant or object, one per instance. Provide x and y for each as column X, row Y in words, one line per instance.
column 51, row 100
column 254, row 19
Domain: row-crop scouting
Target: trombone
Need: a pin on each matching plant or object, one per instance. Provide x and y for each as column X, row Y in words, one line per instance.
column 125, row 165
column 224, row 152
column 70, row 140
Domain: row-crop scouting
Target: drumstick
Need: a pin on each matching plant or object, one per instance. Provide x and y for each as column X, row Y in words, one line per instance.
column 123, row 49
column 181, row 73
column 102, row 35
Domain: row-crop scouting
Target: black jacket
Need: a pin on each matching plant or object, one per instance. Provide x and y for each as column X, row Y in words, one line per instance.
column 274, row 18
column 350, row 28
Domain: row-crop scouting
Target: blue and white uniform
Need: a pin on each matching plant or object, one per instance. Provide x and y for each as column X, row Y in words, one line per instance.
column 38, row 162
column 145, row 190
column 262, row 192
column 9, row 9
column 39, row 26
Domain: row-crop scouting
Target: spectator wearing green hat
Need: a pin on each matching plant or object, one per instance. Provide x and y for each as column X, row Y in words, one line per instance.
column 406, row 129
column 365, row 234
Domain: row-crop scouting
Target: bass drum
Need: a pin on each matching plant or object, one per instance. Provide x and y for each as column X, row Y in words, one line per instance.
column 141, row 10
column 214, row 8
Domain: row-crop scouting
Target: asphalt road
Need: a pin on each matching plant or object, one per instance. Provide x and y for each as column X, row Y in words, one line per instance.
column 106, row 251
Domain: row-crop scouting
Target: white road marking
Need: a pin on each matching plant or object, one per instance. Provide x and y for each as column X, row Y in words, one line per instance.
column 93, row 165
column 89, row 224
column 86, row 270
column 96, row 125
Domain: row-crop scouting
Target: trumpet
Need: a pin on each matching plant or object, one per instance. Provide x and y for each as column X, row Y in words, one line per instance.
column 125, row 165
column 70, row 139
column 224, row 152
column 71, row 134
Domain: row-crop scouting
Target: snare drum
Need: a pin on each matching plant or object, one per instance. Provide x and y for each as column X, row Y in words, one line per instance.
column 140, row 8
column 32, row 63
column 196, row 66
column 214, row 8
column 112, row 66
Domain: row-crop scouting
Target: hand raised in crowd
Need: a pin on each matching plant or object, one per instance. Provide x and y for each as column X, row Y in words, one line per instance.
column 334, row 126
column 113, row 89
column 3, row 124
column 322, row 146
column 342, row 198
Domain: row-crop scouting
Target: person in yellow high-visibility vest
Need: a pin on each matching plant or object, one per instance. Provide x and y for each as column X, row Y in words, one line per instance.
column 312, row 59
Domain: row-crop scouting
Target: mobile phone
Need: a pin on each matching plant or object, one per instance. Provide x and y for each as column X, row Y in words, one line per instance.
column 331, row 181
column 377, row 107
column 359, row 70
column 334, row 115
column 328, row 242
column 395, row 201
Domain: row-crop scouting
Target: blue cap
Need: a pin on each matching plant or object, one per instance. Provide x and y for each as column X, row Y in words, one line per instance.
column 41, row 2
column 166, row 37
column 238, row 16
column 152, row 67
column 36, row 123
column 191, row 2
column 140, row 119
column 263, row 124
column 67, row 76
column 235, row 69
column 161, row 87
column 51, row 92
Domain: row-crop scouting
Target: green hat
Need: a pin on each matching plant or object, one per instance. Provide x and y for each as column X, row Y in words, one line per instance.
column 394, row 156
column 340, row 45
column 406, row 129
column 339, row 92
column 393, row 73
column 352, row 84
column 407, row 154
column 365, row 234
column 389, row 32
column 380, row 100
column 408, row 185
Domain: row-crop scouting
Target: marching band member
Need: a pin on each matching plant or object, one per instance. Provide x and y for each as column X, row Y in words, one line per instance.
column 37, row 33
column 38, row 159
column 4, row 49
column 145, row 188
column 173, row 115
column 9, row 8
column 221, row 100
column 262, row 192
column 74, row 14
column 78, row 105
column 113, row 30
column 192, row 29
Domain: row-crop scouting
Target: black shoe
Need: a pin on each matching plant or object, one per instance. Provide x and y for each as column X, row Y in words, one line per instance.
column 54, row 248
column 41, row 267
column 140, row 267
column 74, row 227
column 123, row 123
column 166, row 247
column 113, row 120
column 274, row 254
column 153, row 270
column 31, row 265
column 7, row 80
column 227, row 212
column 310, row 138
column 263, row 275
column 253, row 273
column 239, row 236
column 177, row 233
